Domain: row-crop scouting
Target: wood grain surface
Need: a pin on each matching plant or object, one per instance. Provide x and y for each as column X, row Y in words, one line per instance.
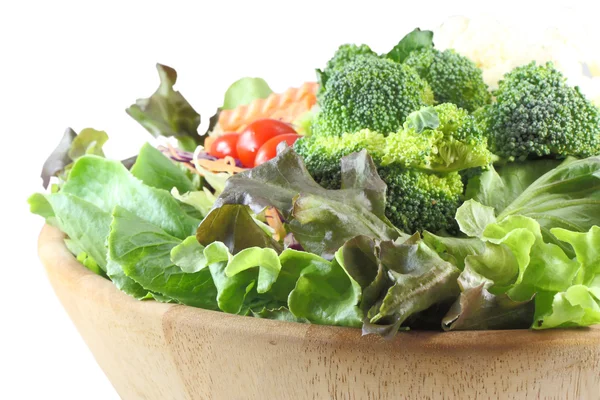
column 150, row 350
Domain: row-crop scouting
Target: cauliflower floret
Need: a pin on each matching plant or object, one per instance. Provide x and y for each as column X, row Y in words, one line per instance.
column 498, row 47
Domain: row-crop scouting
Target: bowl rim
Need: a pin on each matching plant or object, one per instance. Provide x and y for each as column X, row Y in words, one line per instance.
column 61, row 265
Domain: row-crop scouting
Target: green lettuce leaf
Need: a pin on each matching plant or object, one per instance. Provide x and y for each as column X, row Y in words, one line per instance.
column 143, row 250
column 473, row 217
column 244, row 90
column 200, row 200
column 578, row 306
column 154, row 169
column 255, row 277
column 189, row 255
column 325, row 294
column 499, row 186
column 543, row 266
column 587, row 251
column 89, row 141
column 567, row 196
column 424, row 118
column 85, row 224
column 415, row 40
column 168, row 113
column 107, row 184
column 517, row 265
column 454, row 249
column 82, row 209
column 241, row 255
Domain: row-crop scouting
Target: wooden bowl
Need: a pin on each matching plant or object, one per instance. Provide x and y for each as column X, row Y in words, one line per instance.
column 151, row 350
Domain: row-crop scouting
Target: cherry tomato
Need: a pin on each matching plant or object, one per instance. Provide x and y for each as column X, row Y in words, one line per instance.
column 269, row 150
column 255, row 135
column 224, row 146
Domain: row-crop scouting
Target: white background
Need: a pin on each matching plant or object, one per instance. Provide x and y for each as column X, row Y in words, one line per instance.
column 80, row 64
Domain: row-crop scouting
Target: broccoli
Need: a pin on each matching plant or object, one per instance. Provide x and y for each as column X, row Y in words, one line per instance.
column 322, row 154
column 343, row 55
column 452, row 77
column 370, row 93
column 537, row 114
column 417, row 200
column 447, row 139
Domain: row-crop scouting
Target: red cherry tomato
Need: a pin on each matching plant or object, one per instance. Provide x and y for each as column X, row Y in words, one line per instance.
column 224, row 146
column 269, row 150
column 257, row 134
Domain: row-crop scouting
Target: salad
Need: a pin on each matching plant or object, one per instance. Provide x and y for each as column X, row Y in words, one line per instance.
column 397, row 191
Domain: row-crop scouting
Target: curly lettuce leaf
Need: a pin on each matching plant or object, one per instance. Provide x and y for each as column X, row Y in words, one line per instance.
column 168, row 113
column 578, row 306
column 322, row 220
column 71, row 147
column 567, row 196
column 325, row 294
column 478, row 309
column 293, row 285
column 233, row 225
column 419, row 277
column 587, row 251
column 59, row 158
column 517, row 265
column 360, row 257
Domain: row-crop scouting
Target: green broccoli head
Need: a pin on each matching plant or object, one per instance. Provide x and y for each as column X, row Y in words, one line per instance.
column 452, row 77
column 370, row 93
column 537, row 114
column 322, row 154
column 344, row 54
column 417, row 200
column 444, row 138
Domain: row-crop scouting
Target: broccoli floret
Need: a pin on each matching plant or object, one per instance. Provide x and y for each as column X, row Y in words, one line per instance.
column 537, row 114
column 322, row 154
column 416, row 200
column 452, row 77
column 370, row 93
column 445, row 139
column 343, row 55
